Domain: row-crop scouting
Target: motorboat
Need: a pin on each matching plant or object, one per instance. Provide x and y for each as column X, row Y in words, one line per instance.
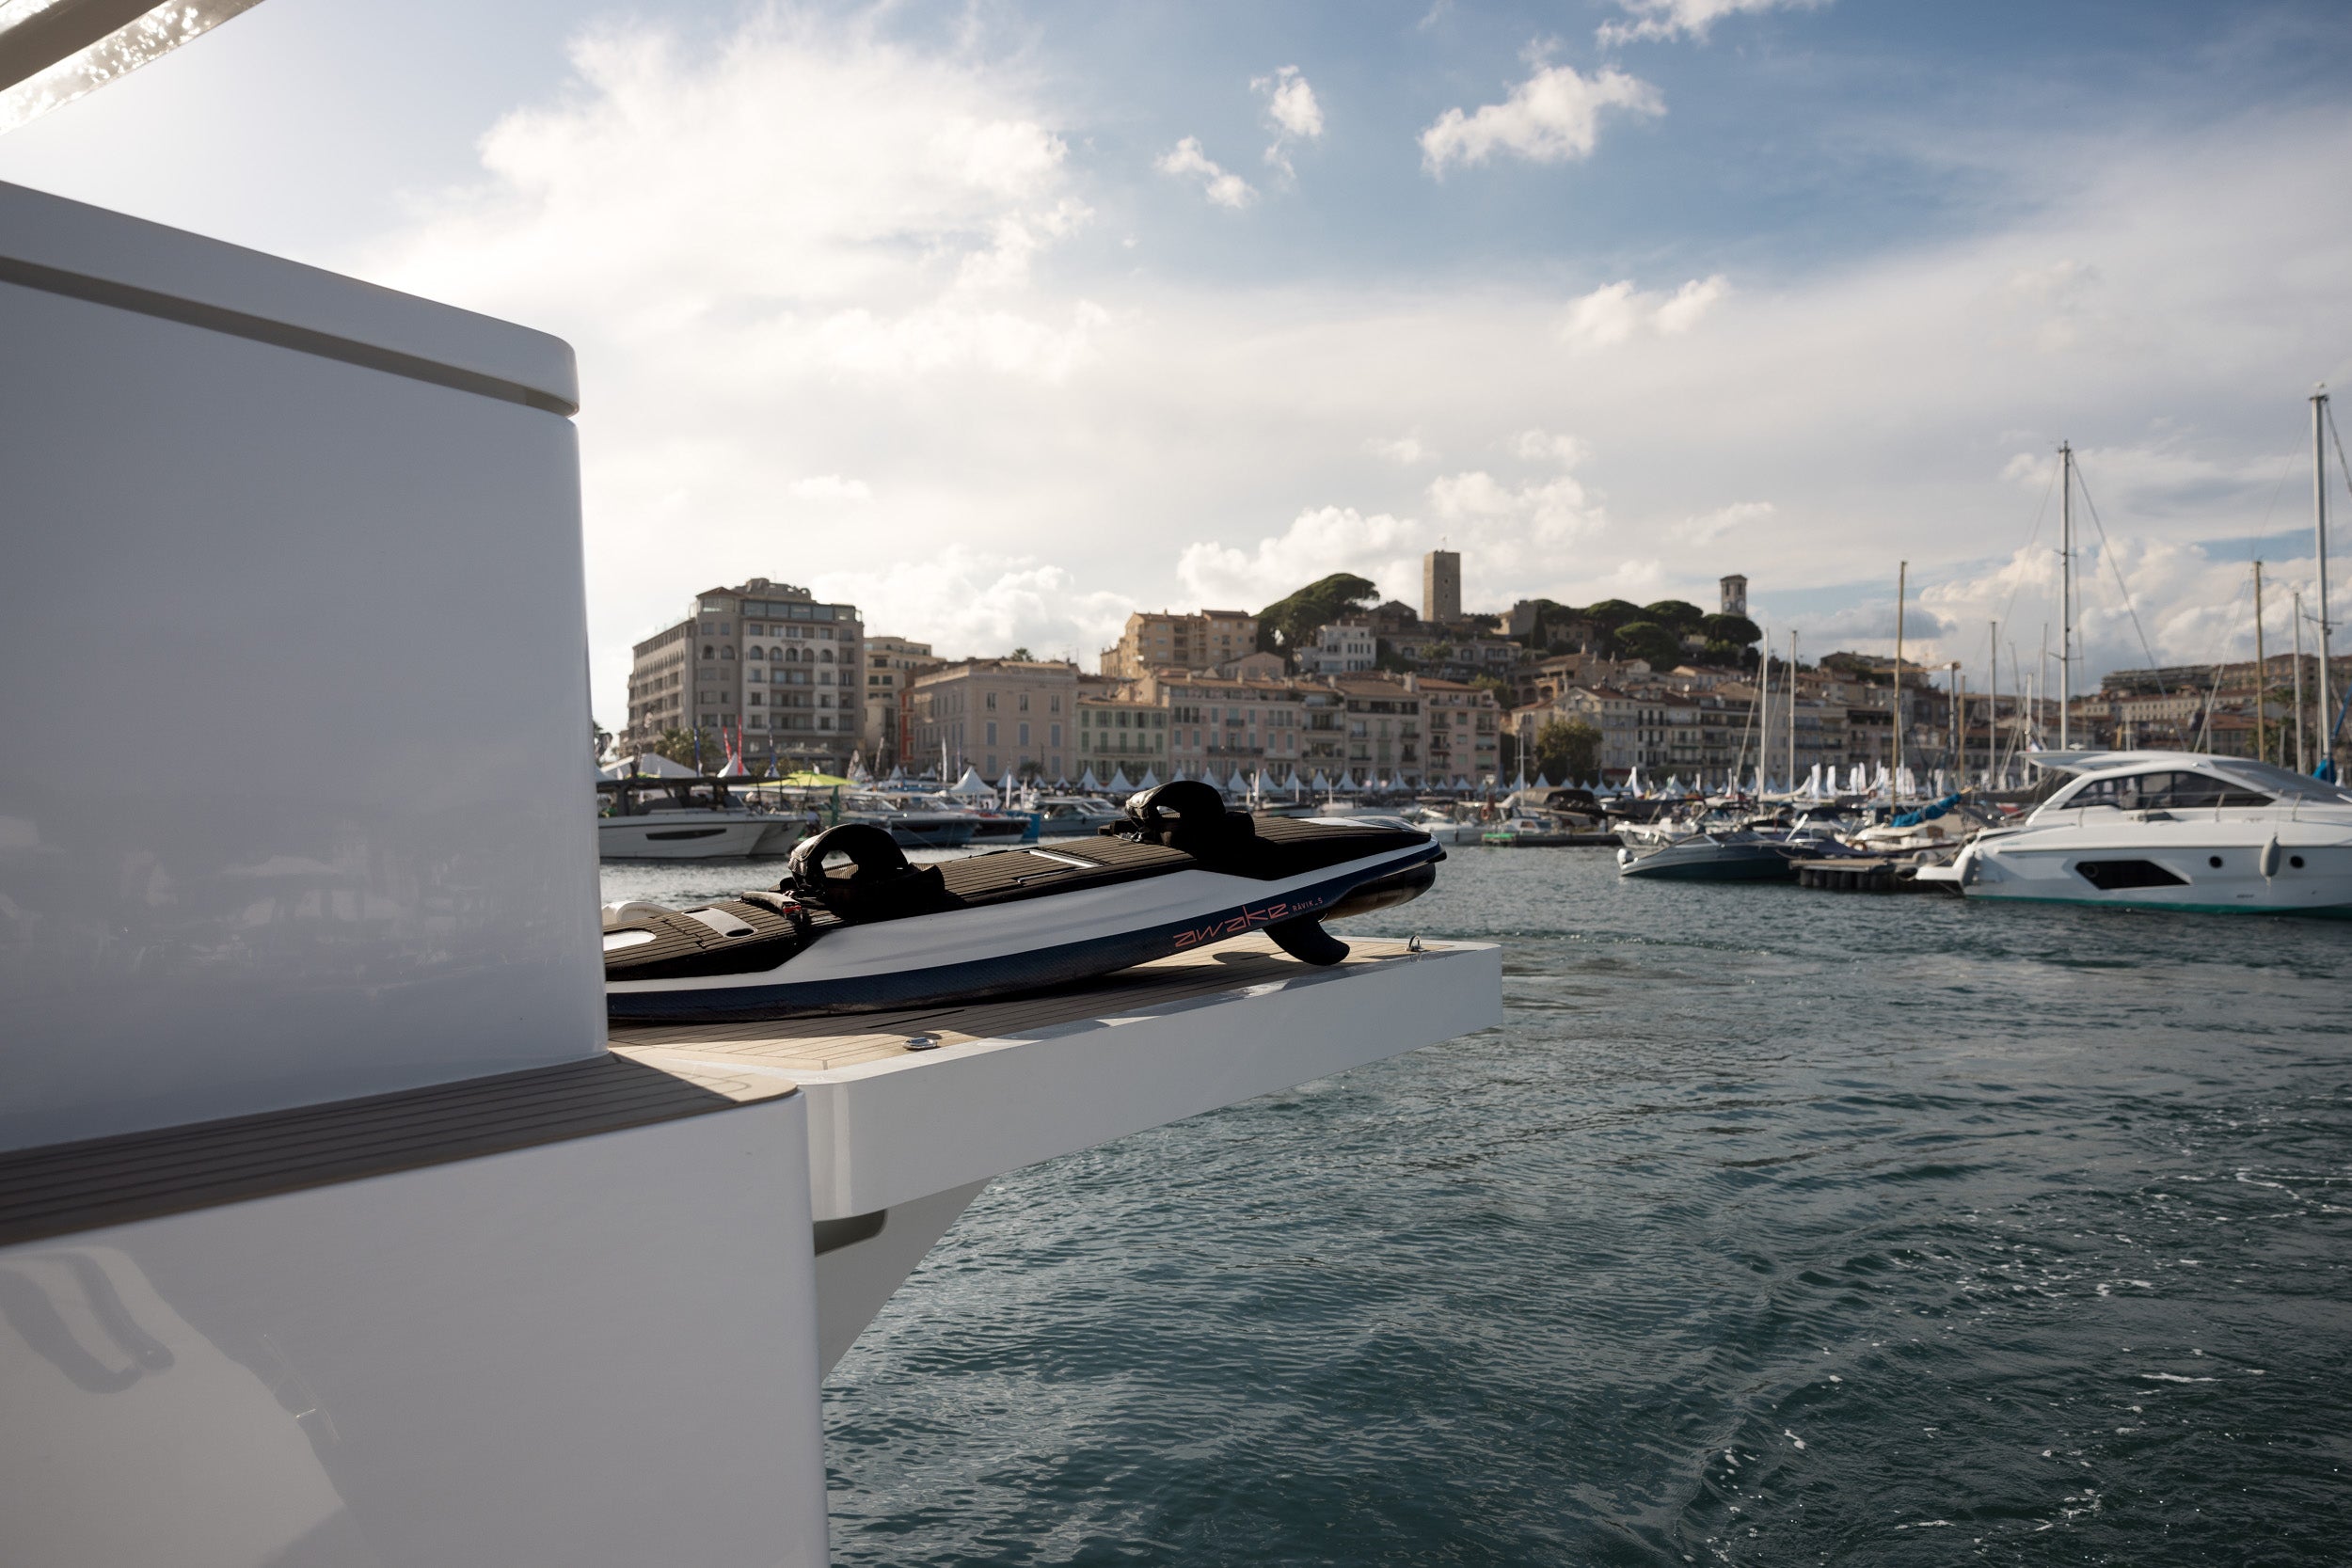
column 1528, row 832
column 649, row 818
column 910, row 825
column 1712, row 855
column 1182, row 872
column 2169, row 830
column 1074, row 816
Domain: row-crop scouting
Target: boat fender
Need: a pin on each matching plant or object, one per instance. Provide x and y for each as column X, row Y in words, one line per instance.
column 1305, row 939
column 2270, row 858
column 883, row 885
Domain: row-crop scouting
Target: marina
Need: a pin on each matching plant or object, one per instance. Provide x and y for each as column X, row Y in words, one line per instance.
column 996, row 1051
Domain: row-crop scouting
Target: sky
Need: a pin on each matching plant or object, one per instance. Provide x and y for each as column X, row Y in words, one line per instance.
column 1005, row 320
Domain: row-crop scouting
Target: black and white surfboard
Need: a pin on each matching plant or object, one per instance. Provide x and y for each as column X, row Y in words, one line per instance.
column 875, row 932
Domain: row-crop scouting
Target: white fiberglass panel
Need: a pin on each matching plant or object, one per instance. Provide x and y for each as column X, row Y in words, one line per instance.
column 296, row 800
column 597, row 1351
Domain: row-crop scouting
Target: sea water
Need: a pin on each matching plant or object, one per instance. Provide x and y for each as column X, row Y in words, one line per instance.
column 1772, row 1227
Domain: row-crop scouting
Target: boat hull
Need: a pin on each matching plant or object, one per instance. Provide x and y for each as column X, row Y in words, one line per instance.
column 2177, row 870
column 1677, row 862
column 682, row 835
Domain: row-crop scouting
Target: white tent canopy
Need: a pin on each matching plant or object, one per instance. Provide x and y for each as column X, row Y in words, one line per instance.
column 652, row 764
column 1119, row 784
column 1148, row 780
column 972, row 783
column 1087, row 781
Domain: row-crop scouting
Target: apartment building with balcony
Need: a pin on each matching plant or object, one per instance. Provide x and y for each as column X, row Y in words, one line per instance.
column 763, row 658
column 1202, row 640
column 1120, row 734
column 891, row 665
column 998, row 715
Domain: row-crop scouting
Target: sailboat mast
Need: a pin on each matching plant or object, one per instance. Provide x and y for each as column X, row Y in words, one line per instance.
column 2066, row 593
column 2319, row 528
column 1902, row 591
column 1764, row 720
column 1992, row 714
column 1792, row 711
column 2261, row 667
column 2302, row 752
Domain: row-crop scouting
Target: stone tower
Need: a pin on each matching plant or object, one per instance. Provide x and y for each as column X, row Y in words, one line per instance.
column 1735, row 596
column 1441, row 586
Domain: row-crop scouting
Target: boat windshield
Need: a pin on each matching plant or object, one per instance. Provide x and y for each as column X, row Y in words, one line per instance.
column 2169, row 790
column 2286, row 783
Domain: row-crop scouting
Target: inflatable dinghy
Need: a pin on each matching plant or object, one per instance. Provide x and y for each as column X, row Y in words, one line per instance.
column 854, row 926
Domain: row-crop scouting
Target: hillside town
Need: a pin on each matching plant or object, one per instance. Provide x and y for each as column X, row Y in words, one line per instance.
column 1334, row 681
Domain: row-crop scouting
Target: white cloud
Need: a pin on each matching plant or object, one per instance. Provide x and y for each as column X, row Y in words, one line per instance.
column 832, row 488
column 1666, row 19
column 1318, row 542
column 1538, row 446
column 1291, row 110
column 1221, row 187
column 974, row 603
column 1618, row 311
column 810, row 252
column 1405, row 451
column 1709, row 527
column 1552, row 118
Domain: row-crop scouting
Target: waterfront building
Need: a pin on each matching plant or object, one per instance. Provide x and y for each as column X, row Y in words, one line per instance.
column 1198, row 642
column 1463, row 725
column 891, row 665
column 998, row 715
column 763, row 658
column 1735, row 595
column 1215, row 723
column 1384, row 727
column 1118, row 733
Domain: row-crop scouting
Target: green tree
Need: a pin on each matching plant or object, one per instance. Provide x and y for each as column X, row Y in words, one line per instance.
column 1504, row 697
column 1288, row 623
column 1609, row 614
column 1679, row 614
column 1567, row 748
column 1647, row 640
column 1021, row 654
column 599, row 740
column 1735, row 629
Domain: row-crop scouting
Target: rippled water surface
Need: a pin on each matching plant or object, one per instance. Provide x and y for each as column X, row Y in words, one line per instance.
column 1772, row 1227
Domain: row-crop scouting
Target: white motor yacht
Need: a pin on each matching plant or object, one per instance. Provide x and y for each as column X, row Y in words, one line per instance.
column 2171, row 830
column 648, row 819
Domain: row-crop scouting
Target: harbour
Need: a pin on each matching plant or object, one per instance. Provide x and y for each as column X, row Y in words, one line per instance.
column 1768, row 1228
column 529, row 1042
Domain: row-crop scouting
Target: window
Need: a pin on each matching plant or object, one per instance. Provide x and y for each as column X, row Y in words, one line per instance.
column 707, row 651
column 2166, row 792
column 989, row 701
column 1053, row 704
column 1053, row 732
column 1025, row 732
column 1024, row 702
column 756, row 651
column 791, row 656
column 727, row 652
column 992, row 738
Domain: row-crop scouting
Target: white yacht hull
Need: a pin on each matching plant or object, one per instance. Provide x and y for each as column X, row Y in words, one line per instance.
column 695, row 836
column 2046, row 864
